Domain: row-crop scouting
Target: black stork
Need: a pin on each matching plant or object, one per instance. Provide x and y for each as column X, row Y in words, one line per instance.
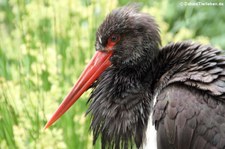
column 149, row 97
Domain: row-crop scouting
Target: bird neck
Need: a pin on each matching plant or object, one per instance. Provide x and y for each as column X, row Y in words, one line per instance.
column 119, row 108
column 120, row 104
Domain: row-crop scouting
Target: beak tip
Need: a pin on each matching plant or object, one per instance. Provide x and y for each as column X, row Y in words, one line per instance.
column 48, row 124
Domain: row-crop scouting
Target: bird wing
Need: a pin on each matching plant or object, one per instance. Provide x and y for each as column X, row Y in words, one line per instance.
column 189, row 112
column 187, row 118
column 196, row 65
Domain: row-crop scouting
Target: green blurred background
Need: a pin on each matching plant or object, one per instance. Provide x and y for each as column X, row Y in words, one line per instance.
column 45, row 44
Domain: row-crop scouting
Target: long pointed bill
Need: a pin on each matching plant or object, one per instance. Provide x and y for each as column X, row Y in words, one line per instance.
column 93, row 70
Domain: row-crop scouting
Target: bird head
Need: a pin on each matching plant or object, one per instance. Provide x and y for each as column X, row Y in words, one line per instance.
column 126, row 38
column 129, row 34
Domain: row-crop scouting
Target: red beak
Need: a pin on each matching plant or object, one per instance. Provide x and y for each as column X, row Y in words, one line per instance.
column 93, row 70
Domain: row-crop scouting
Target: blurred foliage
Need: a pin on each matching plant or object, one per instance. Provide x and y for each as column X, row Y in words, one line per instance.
column 45, row 44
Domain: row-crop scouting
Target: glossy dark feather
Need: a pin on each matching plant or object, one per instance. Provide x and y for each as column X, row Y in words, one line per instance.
column 196, row 124
column 193, row 88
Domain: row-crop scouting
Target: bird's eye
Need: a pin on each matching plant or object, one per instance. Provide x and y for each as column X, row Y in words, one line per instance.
column 113, row 39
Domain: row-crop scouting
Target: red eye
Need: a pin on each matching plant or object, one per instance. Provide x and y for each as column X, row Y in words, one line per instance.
column 112, row 40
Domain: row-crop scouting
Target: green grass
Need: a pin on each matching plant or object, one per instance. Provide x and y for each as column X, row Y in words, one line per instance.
column 44, row 46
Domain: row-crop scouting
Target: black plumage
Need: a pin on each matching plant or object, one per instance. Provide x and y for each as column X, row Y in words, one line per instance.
column 186, row 78
column 190, row 109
